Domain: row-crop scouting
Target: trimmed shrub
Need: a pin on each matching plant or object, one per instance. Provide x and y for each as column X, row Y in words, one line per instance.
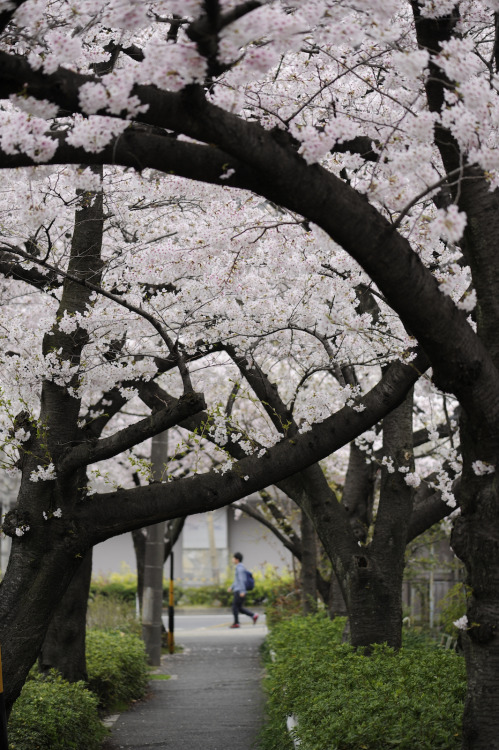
column 52, row 714
column 117, row 667
column 342, row 699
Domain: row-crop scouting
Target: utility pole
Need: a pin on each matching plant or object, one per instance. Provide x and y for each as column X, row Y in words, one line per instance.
column 215, row 573
column 152, row 604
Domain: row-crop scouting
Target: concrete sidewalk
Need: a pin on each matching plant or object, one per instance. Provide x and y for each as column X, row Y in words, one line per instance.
column 212, row 701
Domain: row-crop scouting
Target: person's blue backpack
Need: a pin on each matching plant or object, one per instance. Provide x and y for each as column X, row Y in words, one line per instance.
column 250, row 581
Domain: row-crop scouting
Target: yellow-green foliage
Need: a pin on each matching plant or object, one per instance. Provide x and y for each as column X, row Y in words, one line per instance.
column 272, row 586
column 123, row 584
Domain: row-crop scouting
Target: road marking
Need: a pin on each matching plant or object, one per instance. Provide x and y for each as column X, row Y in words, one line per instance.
column 108, row 721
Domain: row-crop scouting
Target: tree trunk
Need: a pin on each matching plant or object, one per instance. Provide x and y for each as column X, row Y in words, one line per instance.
column 308, row 565
column 64, row 645
column 38, row 573
column 337, row 607
column 475, row 540
column 375, row 603
column 373, row 582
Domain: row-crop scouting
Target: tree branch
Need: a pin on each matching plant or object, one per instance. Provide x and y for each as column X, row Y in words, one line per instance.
column 124, row 510
column 7, row 15
column 462, row 365
column 11, row 269
column 170, row 416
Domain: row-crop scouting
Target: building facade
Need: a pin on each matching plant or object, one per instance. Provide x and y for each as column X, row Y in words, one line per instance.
column 203, row 552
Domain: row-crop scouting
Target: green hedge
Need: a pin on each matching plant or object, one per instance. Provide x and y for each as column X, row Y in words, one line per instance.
column 270, row 584
column 117, row 667
column 344, row 700
column 52, row 714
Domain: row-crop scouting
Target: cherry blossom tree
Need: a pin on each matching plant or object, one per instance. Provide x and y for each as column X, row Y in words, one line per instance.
column 373, row 125
column 66, row 347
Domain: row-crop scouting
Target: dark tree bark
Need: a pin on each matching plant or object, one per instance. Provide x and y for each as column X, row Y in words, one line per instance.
column 358, row 492
column 337, row 607
column 369, row 571
column 375, row 595
column 308, row 565
column 64, row 645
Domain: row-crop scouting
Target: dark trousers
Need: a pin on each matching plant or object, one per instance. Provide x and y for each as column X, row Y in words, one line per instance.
column 238, row 606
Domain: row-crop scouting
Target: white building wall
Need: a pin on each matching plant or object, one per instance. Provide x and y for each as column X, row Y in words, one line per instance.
column 193, row 557
column 114, row 556
column 257, row 544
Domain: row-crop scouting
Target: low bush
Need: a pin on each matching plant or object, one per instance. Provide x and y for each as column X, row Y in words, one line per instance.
column 282, row 605
column 117, row 667
column 209, row 595
column 270, row 584
column 113, row 613
column 342, row 699
column 52, row 714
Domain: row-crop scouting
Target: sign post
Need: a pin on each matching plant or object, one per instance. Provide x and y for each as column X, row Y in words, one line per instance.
column 171, row 611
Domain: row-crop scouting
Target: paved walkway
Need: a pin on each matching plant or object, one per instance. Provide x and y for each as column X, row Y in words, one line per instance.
column 213, row 700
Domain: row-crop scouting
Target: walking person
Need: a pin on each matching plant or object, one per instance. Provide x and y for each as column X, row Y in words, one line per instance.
column 238, row 588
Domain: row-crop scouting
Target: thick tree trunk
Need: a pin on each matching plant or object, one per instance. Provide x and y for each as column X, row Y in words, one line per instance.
column 373, row 584
column 308, row 565
column 475, row 540
column 375, row 603
column 337, row 606
column 64, row 645
column 37, row 576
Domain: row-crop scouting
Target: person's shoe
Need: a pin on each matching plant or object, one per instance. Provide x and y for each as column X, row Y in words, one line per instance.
column 255, row 618
column 234, row 625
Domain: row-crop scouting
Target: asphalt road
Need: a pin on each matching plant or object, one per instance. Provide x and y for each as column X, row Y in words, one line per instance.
column 213, row 699
column 192, row 623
